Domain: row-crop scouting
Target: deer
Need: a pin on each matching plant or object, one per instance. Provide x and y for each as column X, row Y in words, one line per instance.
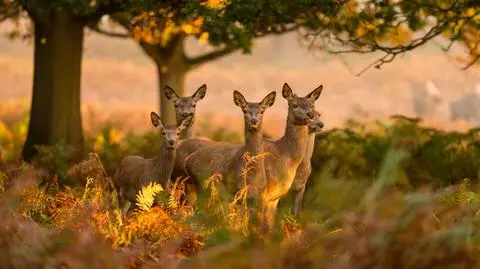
column 185, row 106
column 227, row 159
column 286, row 153
column 135, row 171
column 305, row 168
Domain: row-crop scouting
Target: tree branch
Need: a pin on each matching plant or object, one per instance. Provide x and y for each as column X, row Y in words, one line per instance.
column 211, row 56
column 123, row 19
column 365, row 44
column 277, row 30
column 96, row 28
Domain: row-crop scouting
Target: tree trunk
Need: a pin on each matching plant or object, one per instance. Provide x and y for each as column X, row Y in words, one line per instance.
column 171, row 69
column 55, row 109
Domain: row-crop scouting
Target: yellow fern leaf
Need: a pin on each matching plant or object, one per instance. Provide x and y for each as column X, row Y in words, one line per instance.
column 146, row 196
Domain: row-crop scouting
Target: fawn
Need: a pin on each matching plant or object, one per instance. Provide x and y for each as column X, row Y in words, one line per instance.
column 227, row 159
column 286, row 153
column 134, row 171
column 305, row 168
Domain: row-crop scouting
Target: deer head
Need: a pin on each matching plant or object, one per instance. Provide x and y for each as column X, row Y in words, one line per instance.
column 316, row 125
column 185, row 106
column 170, row 133
column 253, row 112
column 301, row 109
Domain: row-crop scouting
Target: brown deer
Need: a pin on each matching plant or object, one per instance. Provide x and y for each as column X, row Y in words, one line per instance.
column 134, row 171
column 185, row 107
column 305, row 168
column 227, row 159
column 286, row 153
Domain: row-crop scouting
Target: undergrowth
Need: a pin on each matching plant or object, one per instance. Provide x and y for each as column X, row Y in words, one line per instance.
column 386, row 195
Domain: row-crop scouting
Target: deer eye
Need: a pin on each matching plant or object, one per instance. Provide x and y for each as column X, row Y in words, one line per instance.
column 163, row 133
column 176, row 106
column 194, row 105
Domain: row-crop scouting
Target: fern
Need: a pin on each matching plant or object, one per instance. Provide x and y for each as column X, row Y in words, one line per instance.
column 173, row 202
column 146, row 196
column 3, row 178
column 214, row 203
column 87, row 187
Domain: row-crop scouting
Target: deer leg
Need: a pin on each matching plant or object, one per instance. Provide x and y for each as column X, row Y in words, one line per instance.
column 297, row 206
column 270, row 214
column 267, row 215
column 121, row 198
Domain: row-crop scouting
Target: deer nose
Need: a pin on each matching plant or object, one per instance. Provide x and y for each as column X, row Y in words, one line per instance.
column 310, row 114
column 254, row 121
column 321, row 125
column 185, row 114
column 171, row 142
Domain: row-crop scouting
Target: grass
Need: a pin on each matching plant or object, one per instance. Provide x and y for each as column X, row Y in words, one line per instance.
column 391, row 194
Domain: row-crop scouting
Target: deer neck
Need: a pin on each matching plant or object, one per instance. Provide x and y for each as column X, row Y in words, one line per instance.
column 188, row 132
column 163, row 164
column 295, row 140
column 254, row 145
column 310, row 145
column 253, row 141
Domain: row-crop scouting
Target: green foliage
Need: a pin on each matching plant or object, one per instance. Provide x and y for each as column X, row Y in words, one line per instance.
column 435, row 157
column 55, row 158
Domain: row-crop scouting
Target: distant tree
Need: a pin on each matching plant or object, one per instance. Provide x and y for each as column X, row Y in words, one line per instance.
column 395, row 27
column 227, row 25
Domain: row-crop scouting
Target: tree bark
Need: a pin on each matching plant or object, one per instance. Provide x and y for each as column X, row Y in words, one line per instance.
column 55, row 109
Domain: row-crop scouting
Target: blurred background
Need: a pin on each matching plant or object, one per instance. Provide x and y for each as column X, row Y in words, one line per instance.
column 119, row 83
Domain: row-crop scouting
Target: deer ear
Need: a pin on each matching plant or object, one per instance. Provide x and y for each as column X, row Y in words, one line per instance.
column 185, row 123
column 238, row 99
column 269, row 100
column 287, row 92
column 200, row 93
column 170, row 94
column 315, row 93
column 156, row 120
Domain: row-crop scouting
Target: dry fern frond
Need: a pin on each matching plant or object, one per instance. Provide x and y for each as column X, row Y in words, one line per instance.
column 214, row 202
column 146, row 196
column 289, row 226
column 88, row 187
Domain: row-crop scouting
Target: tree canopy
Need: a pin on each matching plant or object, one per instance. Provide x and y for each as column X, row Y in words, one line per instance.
column 395, row 27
